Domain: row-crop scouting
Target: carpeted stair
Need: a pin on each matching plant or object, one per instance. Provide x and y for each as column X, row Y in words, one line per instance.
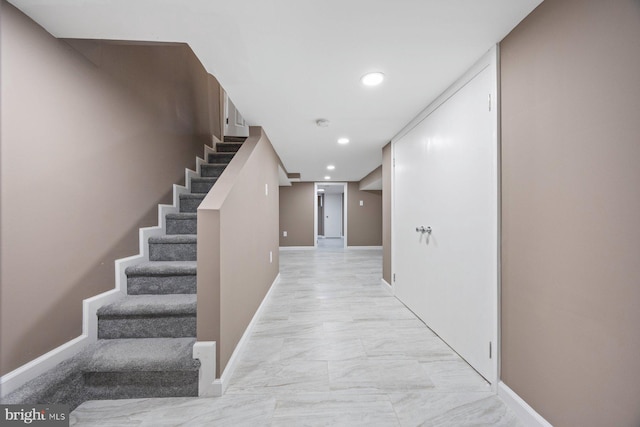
column 145, row 340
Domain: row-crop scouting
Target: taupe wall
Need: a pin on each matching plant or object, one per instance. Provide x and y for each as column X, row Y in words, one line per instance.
column 84, row 163
column 237, row 229
column 168, row 77
column 387, row 164
column 364, row 223
column 296, row 214
column 570, row 212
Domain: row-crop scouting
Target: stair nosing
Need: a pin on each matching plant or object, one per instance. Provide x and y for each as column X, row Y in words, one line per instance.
column 162, row 269
column 154, row 306
column 174, row 239
column 141, row 355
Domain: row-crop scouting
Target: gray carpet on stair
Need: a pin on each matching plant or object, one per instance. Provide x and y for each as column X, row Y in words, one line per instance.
column 182, row 223
column 190, row 202
column 147, row 354
column 202, row 185
column 148, row 316
column 162, row 277
column 178, row 247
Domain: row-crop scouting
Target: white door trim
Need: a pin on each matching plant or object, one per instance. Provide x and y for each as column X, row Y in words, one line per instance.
column 315, row 210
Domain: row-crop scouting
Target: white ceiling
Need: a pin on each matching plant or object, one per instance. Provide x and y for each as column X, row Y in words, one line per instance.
column 286, row 63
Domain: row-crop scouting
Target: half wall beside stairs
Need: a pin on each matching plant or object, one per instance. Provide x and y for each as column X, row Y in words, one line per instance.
column 237, row 246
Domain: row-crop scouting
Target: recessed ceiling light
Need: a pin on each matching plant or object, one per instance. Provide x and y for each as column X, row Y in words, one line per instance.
column 343, row 140
column 327, row 177
column 372, row 79
column 331, row 167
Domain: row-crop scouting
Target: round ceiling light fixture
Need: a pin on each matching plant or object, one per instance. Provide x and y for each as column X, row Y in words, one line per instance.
column 372, row 79
column 331, row 167
column 322, row 123
column 327, row 177
column 343, row 141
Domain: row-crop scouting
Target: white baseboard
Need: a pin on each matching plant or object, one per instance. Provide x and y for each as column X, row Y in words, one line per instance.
column 219, row 386
column 27, row 372
column 364, row 247
column 526, row 414
column 297, row 248
column 16, row 378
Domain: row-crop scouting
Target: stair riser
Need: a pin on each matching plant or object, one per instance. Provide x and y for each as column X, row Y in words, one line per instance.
column 161, row 285
column 182, row 226
column 211, row 171
column 147, row 327
column 172, row 251
column 189, row 205
column 140, row 384
column 220, row 157
column 228, row 147
column 235, row 139
column 201, row 187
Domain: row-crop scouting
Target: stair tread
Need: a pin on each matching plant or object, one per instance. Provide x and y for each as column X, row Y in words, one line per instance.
column 193, row 195
column 143, row 354
column 174, row 238
column 182, row 215
column 234, row 138
column 228, row 147
column 151, row 305
column 163, row 268
column 204, row 179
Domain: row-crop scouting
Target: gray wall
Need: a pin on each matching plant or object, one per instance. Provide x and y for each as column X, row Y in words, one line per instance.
column 570, row 211
column 85, row 160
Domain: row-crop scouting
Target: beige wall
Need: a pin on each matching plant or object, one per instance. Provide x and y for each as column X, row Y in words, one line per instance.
column 387, row 164
column 570, row 211
column 168, row 77
column 84, row 162
column 237, row 229
column 364, row 223
column 296, row 214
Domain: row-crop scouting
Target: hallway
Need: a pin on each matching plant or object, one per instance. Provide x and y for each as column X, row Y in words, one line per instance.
column 332, row 347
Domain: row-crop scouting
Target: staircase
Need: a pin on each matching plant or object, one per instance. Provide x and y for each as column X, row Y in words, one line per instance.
column 145, row 340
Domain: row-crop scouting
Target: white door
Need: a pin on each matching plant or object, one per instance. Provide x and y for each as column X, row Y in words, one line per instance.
column 234, row 122
column 445, row 177
column 333, row 215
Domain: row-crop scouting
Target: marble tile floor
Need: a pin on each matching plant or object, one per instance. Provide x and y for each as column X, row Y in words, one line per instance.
column 330, row 242
column 332, row 348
